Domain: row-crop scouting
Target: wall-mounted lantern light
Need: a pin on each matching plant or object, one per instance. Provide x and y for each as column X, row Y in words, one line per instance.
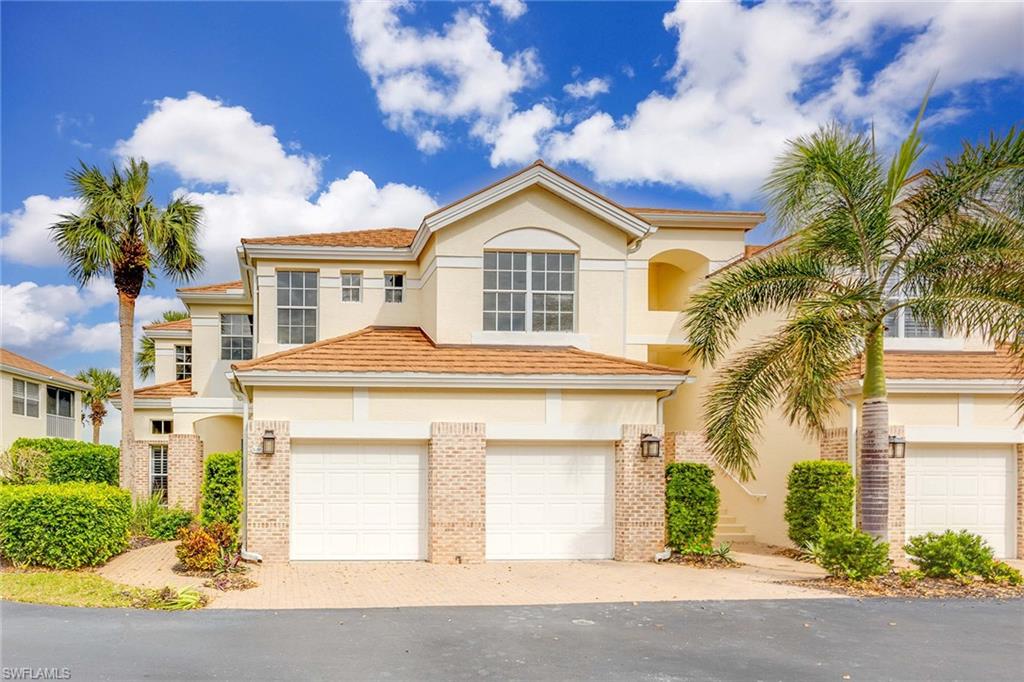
column 897, row 447
column 650, row 445
column 269, row 443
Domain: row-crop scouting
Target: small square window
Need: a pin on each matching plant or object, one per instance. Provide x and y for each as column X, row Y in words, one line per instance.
column 394, row 284
column 351, row 287
column 163, row 426
column 25, row 398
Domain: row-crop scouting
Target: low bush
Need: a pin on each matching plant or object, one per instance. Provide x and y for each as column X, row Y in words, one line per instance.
column 691, row 505
column 820, row 496
column 222, row 489
column 851, row 554
column 23, row 465
column 1004, row 574
column 197, row 551
column 168, row 521
column 953, row 554
column 144, row 513
column 65, row 525
column 74, row 460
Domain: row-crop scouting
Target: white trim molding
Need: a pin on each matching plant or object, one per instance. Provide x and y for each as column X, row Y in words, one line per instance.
column 955, row 434
column 941, row 386
column 200, row 405
column 624, row 382
column 42, row 378
column 420, row 431
column 531, row 239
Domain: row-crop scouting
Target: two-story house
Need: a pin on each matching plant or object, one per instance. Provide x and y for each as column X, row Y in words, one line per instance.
column 506, row 380
column 38, row 401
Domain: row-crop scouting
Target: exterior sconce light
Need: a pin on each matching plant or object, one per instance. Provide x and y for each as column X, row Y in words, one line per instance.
column 897, row 447
column 269, row 442
column 650, row 445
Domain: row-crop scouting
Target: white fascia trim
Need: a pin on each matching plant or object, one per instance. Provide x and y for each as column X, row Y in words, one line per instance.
column 146, row 403
column 956, row 434
column 302, row 252
column 42, row 378
column 538, row 175
column 420, row 431
column 637, row 382
column 941, row 386
column 698, row 220
column 207, row 405
column 172, row 334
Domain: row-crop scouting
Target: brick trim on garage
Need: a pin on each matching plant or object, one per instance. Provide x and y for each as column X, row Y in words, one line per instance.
column 456, row 493
column 268, row 492
column 1020, row 500
column 639, row 496
column 184, row 470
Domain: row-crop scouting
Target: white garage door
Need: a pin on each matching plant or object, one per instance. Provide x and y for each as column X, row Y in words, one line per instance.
column 358, row 501
column 549, row 501
column 962, row 486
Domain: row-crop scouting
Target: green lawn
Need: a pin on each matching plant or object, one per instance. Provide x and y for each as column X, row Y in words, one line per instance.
column 78, row 588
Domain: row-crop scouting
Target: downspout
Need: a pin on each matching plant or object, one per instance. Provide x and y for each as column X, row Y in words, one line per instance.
column 661, row 404
column 246, row 409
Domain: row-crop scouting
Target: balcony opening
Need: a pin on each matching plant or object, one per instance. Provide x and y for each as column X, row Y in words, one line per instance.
column 60, row 408
column 671, row 275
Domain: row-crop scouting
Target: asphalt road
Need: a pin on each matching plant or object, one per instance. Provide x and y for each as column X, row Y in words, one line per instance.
column 738, row 640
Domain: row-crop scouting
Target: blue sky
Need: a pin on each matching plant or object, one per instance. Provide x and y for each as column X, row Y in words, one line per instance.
column 316, row 116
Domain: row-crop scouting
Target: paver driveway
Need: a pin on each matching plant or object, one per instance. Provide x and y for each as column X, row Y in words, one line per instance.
column 305, row 585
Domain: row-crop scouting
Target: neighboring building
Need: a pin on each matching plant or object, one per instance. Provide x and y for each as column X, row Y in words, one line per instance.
column 37, row 401
column 474, row 388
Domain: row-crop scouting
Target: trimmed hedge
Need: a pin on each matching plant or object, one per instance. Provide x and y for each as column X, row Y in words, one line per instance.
column 75, row 460
column 222, row 489
column 820, row 497
column 65, row 525
column 691, row 505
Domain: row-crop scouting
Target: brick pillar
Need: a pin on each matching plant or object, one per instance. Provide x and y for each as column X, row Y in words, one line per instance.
column 833, row 445
column 135, row 460
column 686, row 446
column 267, row 492
column 184, row 470
column 639, row 496
column 1020, row 500
column 896, row 522
column 456, row 493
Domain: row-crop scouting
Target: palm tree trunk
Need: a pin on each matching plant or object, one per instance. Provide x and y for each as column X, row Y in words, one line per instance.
column 874, row 433
column 126, row 319
column 96, row 424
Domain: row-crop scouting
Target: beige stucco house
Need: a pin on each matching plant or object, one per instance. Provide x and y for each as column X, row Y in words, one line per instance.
column 38, row 401
column 478, row 387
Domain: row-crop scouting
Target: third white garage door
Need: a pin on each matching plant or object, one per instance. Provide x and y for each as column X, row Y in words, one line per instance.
column 962, row 486
column 549, row 501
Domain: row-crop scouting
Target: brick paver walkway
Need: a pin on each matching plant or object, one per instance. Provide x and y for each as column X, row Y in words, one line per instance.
column 336, row 584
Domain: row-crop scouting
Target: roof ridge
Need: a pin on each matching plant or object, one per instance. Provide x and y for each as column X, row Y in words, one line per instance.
column 256, row 240
column 211, row 284
column 49, row 371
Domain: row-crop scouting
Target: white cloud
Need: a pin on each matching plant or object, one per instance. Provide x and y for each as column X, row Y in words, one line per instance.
column 427, row 79
column 26, row 236
column 587, row 89
column 510, row 9
column 37, row 315
column 515, row 139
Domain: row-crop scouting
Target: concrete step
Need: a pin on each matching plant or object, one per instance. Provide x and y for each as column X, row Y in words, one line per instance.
column 725, row 528
column 727, row 520
column 732, row 538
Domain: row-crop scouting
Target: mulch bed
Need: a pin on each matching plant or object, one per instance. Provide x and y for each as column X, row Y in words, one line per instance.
column 703, row 561
column 794, row 554
column 230, row 581
column 923, row 588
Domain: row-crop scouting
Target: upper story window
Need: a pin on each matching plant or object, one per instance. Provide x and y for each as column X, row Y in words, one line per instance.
column 394, row 286
column 60, row 402
column 26, row 398
column 529, row 291
column 162, row 426
column 351, row 287
column 901, row 323
column 182, row 362
column 296, row 306
column 235, row 336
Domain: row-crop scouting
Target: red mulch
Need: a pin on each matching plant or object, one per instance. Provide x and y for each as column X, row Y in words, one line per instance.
column 892, row 585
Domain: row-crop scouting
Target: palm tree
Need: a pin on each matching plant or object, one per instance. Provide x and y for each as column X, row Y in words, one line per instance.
column 145, row 358
column 102, row 384
column 123, row 233
column 865, row 241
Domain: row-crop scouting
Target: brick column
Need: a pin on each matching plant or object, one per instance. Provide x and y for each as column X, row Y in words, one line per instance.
column 1020, row 500
column 135, row 466
column 639, row 496
column 833, row 445
column 896, row 522
column 686, row 446
column 267, row 492
column 456, row 493
column 184, row 470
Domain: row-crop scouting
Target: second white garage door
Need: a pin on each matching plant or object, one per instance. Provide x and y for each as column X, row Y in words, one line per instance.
column 363, row 501
column 962, row 487
column 549, row 501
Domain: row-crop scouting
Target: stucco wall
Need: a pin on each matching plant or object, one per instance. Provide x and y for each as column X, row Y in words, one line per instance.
column 208, row 369
column 15, row 426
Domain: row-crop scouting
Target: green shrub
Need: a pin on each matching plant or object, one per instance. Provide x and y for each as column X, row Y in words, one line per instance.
column 1004, row 574
column 65, row 525
column 820, row 495
column 23, row 465
column 144, row 512
column 168, row 521
column 197, row 550
column 222, row 489
column 952, row 554
column 691, row 505
column 851, row 554
column 75, row 460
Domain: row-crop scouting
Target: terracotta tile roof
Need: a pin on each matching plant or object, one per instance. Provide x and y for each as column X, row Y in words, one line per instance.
column 15, row 361
column 385, row 237
column 218, row 288
column 409, row 349
column 170, row 389
column 175, row 325
column 998, row 364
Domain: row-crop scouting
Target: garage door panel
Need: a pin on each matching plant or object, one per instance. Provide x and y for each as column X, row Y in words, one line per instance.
column 308, row 515
column 549, row 501
column 309, row 483
column 342, row 514
column 342, row 483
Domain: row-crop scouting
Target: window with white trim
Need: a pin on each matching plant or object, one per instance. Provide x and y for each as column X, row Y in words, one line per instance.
column 394, row 286
column 182, row 362
column 163, row 426
column 351, row 287
column 296, row 306
column 25, row 398
column 235, row 336
column 158, row 471
column 901, row 323
column 529, row 291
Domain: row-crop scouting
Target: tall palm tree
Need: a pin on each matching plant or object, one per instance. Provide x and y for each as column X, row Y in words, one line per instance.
column 123, row 233
column 866, row 240
column 145, row 358
column 102, row 384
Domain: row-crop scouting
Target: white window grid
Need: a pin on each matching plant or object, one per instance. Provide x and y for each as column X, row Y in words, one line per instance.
column 529, row 291
column 394, row 287
column 235, row 336
column 158, row 471
column 351, row 287
column 25, row 398
column 296, row 306
column 182, row 362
